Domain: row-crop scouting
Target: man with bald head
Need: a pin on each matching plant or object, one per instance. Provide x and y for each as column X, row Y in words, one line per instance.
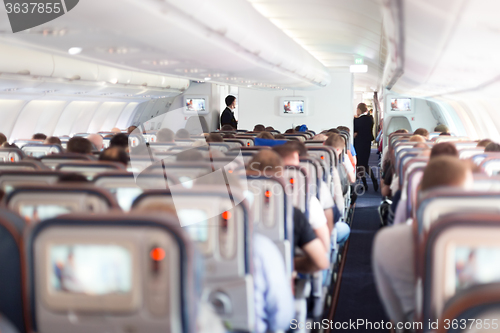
column 96, row 140
column 393, row 247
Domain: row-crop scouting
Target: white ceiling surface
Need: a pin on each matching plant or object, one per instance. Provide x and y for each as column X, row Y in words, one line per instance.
column 451, row 46
column 226, row 40
column 336, row 32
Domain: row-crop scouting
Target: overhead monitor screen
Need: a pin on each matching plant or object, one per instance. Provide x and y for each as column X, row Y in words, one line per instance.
column 90, row 269
column 473, row 265
column 195, row 104
column 42, row 212
column 195, row 223
column 400, row 104
column 293, row 107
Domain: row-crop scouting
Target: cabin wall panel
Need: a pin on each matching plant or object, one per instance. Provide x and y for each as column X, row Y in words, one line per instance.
column 76, row 118
column 38, row 117
column 329, row 107
column 9, row 111
column 125, row 118
column 98, row 122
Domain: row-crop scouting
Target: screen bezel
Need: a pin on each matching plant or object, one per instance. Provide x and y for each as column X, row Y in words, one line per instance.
column 58, row 301
column 190, row 112
column 295, row 98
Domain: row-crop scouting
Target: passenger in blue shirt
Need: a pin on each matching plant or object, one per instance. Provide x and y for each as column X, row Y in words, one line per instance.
column 274, row 304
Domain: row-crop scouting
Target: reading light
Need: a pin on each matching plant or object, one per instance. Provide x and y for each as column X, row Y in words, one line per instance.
column 207, row 78
column 75, row 50
column 157, row 254
column 358, row 68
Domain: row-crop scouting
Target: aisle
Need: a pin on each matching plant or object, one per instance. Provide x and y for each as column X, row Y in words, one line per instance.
column 358, row 297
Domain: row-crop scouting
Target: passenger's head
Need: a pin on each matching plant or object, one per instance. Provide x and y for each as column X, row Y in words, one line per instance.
column 79, row 145
column 3, row 138
column 190, row 155
column 182, row 134
column 130, row 129
column 72, row 177
column 417, row 138
column 6, row 144
column 165, row 135
column 229, row 136
column 52, row 140
column 227, row 128
column 119, row 140
column 401, row 131
column 265, row 135
column 96, row 140
column 362, row 108
column 445, row 134
column 442, row 129
column 290, row 131
column 320, row 137
column 344, row 128
column 215, row 137
column 289, row 155
column 259, row 128
column 483, row 143
column 421, row 145
column 269, row 129
column 492, row 147
column 444, row 149
column 423, row 132
column 279, row 137
column 333, row 130
column 116, row 130
column 299, row 146
column 39, row 136
column 267, row 161
column 336, row 141
column 230, row 101
column 115, row 154
column 446, row 171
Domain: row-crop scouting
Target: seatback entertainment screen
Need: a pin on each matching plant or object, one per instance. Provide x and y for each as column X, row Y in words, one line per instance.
column 195, row 104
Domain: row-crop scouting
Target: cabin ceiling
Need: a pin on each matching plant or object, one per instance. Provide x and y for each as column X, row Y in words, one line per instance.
column 282, row 43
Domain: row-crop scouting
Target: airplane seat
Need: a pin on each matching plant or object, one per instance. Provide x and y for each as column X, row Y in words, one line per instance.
column 457, row 254
column 314, row 143
column 302, row 137
column 478, row 303
column 184, row 142
column 491, row 165
column 410, row 164
column 38, row 203
column 196, row 125
column 235, row 143
column 23, row 165
column 248, row 140
column 273, row 213
column 11, row 155
column 296, row 181
column 470, row 152
column 411, row 187
column 6, row 326
column 39, row 150
column 461, row 145
column 13, row 297
column 484, row 183
column 20, row 142
column 184, row 172
column 314, row 174
column 161, row 146
column 110, row 273
column 454, row 139
column 395, row 123
column 222, row 232
column 90, row 168
column 52, row 161
column 9, row 179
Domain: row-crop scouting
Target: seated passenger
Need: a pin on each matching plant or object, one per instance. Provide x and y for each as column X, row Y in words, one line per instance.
column 259, row 128
column 72, row 177
column 190, row 155
column 3, row 138
column 351, row 152
column 393, row 252
column 337, row 142
column 52, row 140
column 165, row 135
column 442, row 129
column 115, row 130
column 422, row 132
column 265, row 135
column 492, row 147
column 483, row 143
column 39, row 136
column 96, row 140
column 130, row 129
column 182, row 134
column 227, row 128
column 79, row 145
column 115, row 154
column 416, row 138
column 269, row 129
column 119, row 140
column 316, row 257
column 214, row 137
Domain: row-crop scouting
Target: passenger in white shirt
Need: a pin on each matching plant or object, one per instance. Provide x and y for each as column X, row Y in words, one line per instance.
column 338, row 143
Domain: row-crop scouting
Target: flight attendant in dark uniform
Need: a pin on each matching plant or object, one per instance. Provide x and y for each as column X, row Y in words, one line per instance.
column 363, row 137
column 227, row 116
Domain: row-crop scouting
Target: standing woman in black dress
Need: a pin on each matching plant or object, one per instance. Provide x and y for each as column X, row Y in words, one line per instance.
column 363, row 137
